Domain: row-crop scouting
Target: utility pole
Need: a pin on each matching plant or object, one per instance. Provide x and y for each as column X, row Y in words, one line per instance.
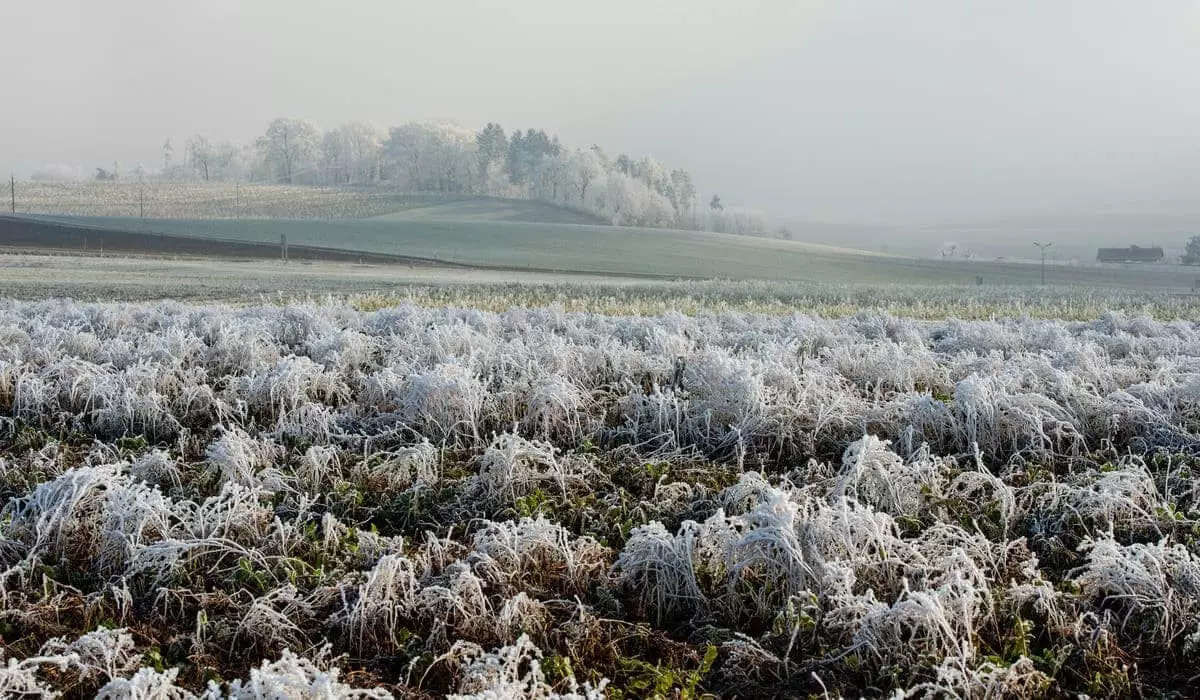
column 1043, row 247
column 12, row 192
column 142, row 200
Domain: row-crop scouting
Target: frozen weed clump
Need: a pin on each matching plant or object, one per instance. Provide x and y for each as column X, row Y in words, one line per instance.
column 772, row 551
column 292, row 676
column 100, row 655
column 157, row 468
column 20, row 678
column 104, row 653
column 874, row 475
column 443, row 404
column 384, row 600
column 660, row 569
column 557, row 409
column 538, row 555
column 61, row 519
column 401, row 468
column 513, row 467
column 957, row 677
column 239, row 457
column 146, row 684
column 273, row 621
column 921, row 624
column 1154, row 587
column 515, row 672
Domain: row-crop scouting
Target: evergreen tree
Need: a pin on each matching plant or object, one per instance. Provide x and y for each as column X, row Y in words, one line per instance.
column 1191, row 254
column 492, row 146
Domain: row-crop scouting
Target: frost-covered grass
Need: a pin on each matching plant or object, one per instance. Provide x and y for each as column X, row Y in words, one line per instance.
column 373, row 287
column 613, row 297
column 356, row 500
column 198, row 200
column 229, row 200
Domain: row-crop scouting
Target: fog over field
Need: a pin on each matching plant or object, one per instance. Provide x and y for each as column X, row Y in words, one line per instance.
column 939, row 112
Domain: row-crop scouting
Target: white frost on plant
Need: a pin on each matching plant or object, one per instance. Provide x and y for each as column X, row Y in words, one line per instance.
column 514, row 672
column 146, row 684
column 293, row 677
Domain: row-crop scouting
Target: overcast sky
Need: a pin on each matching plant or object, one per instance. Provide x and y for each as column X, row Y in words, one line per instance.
column 851, row 110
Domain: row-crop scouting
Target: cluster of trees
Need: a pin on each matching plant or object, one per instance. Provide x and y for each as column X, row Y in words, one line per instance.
column 1191, row 252
column 440, row 157
column 952, row 250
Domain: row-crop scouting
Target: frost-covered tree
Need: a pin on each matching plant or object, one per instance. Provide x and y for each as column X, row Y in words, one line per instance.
column 335, row 168
column 168, row 154
column 491, row 144
column 201, row 156
column 1191, row 254
column 351, row 154
column 432, row 157
column 623, row 199
column 526, row 151
column 737, row 220
column 629, row 202
column 953, row 251
column 682, row 195
column 291, row 148
column 552, row 178
column 653, row 174
column 586, row 167
column 211, row 162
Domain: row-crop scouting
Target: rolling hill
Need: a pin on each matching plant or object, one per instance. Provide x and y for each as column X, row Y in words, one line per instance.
column 227, row 200
column 602, row 250
column 490, row 209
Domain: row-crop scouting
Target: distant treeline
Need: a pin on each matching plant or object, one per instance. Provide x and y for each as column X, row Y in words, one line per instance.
column 429, row 156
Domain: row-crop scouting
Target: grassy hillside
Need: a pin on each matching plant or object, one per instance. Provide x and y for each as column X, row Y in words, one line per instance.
column 191, row 200
column 569, row 248
column 613, row 251
column 220, row 200
column 491, row 209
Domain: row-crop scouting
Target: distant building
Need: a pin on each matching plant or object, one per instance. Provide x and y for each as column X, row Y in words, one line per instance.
column 1131, row 254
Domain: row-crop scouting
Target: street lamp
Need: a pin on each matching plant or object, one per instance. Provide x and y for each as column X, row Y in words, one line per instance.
column 1043, row 246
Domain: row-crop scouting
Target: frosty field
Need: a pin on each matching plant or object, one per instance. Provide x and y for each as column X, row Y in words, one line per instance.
column 543, row 247
column 397, row 494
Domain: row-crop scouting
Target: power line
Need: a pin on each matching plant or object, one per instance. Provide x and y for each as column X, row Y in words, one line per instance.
column 1043, row 246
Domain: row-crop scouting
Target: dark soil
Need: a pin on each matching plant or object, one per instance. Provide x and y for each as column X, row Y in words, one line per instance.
column 23, row 233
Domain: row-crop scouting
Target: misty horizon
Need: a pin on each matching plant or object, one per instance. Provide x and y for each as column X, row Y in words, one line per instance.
column 815, row 111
